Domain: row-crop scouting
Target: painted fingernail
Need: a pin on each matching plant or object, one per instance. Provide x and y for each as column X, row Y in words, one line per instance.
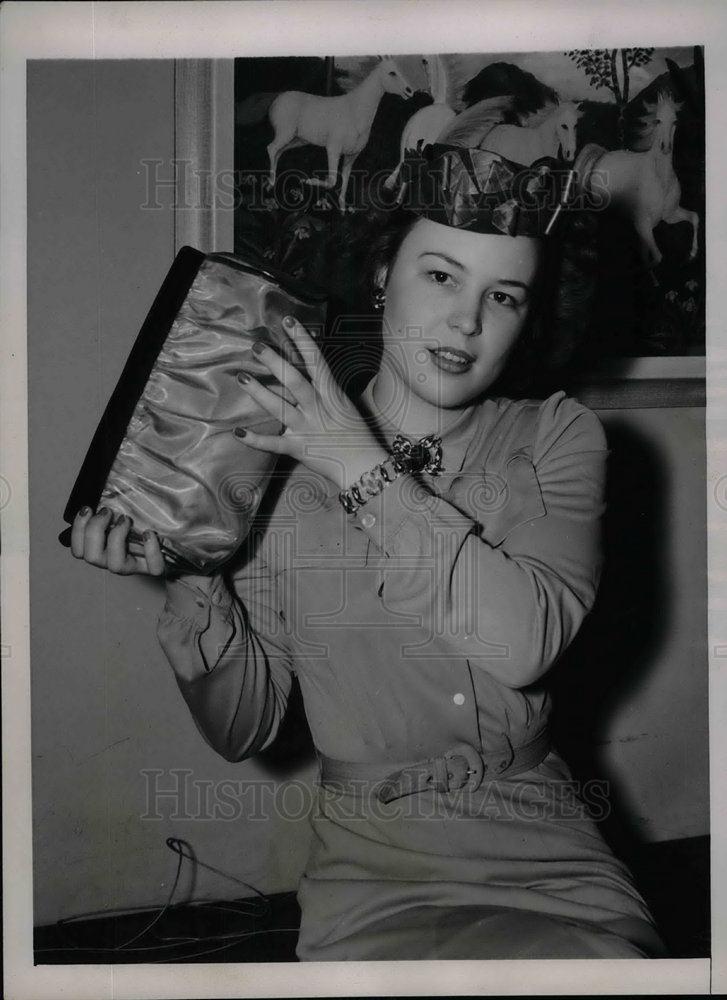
column 243, row 377
column 104, row 512
column 117, row 519
column 289, row 321
column 240, row 432
column 84, row 511
column 258, row 347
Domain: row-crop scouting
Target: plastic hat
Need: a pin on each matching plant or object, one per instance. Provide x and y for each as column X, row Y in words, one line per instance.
column 478, row 190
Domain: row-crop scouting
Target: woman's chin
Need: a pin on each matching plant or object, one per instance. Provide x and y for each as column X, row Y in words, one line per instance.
column 451, row 392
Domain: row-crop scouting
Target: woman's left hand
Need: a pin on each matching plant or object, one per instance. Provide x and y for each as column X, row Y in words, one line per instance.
column 323, row 429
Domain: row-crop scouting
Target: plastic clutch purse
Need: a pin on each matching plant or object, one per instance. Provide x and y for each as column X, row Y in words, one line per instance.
column 165, row 452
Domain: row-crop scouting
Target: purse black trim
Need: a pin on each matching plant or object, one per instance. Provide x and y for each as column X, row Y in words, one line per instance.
column 113, row 424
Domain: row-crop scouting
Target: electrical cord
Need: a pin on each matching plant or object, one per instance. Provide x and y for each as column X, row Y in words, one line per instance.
column 210, row 951
column 184, row 850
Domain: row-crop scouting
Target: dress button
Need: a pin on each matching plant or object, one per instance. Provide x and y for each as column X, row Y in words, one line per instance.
column 368, row 520
column 458, row 698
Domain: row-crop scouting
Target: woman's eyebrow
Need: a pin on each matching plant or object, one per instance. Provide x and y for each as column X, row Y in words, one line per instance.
column 444, row 256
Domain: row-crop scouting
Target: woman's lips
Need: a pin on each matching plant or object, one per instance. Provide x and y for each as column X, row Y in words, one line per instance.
column 449, row 359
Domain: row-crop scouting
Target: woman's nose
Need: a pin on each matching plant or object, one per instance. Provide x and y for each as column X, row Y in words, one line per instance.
column 469, row 323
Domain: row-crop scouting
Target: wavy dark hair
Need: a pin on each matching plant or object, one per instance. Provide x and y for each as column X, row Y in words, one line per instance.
column 557, row 321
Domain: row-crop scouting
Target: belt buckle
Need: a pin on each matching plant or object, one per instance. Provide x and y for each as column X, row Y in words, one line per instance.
column 469, row 769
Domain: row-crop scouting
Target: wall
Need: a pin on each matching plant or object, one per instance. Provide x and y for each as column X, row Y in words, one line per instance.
column 632, row 690
column 108, row 719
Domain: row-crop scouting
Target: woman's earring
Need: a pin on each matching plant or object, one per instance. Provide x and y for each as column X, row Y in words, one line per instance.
column 379, row 299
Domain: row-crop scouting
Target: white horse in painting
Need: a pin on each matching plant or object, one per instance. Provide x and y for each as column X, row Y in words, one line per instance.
column 642, row 182
column 426, row 124
column 341, row 125
column 543, row 133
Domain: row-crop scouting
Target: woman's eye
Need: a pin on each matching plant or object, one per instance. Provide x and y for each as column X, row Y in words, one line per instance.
column 440, row 277
column 503, row 299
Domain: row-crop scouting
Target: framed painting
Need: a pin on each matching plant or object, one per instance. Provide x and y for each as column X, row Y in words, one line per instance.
column 631, row 121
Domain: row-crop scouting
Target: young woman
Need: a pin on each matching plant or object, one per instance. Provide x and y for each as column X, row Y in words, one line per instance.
column 431, row 552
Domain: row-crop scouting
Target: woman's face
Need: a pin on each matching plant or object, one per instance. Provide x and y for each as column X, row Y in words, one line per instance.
column 456, row 302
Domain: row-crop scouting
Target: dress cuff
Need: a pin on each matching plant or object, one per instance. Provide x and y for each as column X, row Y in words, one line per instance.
column 192, row 597
column 402, row 519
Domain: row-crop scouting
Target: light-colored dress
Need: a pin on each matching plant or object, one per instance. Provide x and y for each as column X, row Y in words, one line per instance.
column 427, row 619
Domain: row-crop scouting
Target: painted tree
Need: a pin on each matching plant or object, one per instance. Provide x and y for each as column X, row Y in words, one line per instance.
column 602, row 67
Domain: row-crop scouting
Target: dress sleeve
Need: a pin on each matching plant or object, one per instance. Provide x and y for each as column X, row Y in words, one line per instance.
column 509, row 587
column 231, row 658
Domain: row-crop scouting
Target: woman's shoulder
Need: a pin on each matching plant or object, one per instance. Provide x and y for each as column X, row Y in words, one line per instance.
column 558, row 422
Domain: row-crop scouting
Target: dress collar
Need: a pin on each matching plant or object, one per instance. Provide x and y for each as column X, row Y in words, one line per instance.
column 455, row 440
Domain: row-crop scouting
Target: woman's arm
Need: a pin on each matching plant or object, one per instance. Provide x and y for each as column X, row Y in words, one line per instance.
column 230, row 656
column 513, row 607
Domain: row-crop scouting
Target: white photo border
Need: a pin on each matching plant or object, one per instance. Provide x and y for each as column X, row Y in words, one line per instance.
column 279, row 27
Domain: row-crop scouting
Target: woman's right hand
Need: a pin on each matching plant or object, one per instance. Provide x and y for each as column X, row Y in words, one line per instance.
column 99, row 542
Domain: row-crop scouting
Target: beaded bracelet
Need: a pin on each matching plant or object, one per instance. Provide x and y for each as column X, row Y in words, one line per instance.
column 370, row 484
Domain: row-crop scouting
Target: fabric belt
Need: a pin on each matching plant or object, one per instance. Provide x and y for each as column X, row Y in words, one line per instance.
column 461, row 766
